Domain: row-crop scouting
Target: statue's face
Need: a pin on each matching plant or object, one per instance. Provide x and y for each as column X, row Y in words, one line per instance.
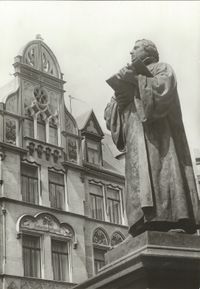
column 138, row 51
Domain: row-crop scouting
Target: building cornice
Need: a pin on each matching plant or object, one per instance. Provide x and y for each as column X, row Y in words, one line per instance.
column 95, row 171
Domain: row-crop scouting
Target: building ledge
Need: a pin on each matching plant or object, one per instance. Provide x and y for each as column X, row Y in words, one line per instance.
column 7, row 146
column 57, row 211
column 37, row 282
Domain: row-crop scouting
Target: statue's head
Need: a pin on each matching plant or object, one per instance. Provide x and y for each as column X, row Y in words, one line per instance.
column 145, row 50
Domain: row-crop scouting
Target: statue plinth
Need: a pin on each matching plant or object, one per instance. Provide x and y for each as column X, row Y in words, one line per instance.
column 152, row 260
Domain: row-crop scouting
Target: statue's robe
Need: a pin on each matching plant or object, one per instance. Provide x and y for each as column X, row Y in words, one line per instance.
column 160, row 187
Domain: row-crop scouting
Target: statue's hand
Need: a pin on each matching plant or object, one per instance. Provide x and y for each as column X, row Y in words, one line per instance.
column 123, row 98
column 128, row 73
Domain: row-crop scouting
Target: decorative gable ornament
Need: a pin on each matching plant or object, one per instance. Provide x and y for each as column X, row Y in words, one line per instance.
column 89, row 124
column 39, row 56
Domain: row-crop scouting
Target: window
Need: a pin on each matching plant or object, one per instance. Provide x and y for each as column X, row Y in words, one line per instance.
column 100, row 247
column 113, row 205
column 31, row 256
column 53, row 135
column 60, row 260
column 93, row 152
column 29, row 175
column 28, row 128
column 96, row 200
column 72, row 149
column 41, row 133
column 56, row 190
column 99, row 259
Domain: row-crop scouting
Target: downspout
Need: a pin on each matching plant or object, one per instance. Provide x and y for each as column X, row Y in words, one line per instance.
column 4, row 243
column 3, row 210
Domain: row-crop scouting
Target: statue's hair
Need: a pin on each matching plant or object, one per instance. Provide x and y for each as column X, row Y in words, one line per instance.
column 150, row 48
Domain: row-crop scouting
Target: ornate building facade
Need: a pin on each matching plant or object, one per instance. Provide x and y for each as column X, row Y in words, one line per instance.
column 61, row 188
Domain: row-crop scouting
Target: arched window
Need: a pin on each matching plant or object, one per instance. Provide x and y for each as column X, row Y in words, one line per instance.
column 117, row 237
column 100, row 247
column 41, row 234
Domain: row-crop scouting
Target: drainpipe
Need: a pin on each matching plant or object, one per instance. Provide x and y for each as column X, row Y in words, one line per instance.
column 3, row 209
column 2, row 155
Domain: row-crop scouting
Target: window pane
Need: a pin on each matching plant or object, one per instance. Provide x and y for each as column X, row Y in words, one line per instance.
column 29, row 184
column 53, row 135
column 41, row 135
column 72, row 149
column 113, row 194
column 96, row 200
column 113, row 204
column 56, row 190
column 31, row 256
column 99, row 259
column 28, row 128
column 56, row 178
column 93, row 150
column 96, row 190
column 97, row 207
column 60, row 260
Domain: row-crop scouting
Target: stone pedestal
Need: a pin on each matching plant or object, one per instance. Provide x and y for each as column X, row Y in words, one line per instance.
column 152, row 260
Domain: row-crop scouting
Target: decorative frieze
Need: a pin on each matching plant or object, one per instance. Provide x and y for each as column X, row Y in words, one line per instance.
column 40, row 150
column 29, row 283
column 12, row 285
column 116, row 238
column 48, row 153
column 44, row 222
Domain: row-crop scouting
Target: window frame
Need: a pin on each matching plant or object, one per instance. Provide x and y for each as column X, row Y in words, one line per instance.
column 102, row 249
column 99, row 246
column 99, row 150
column 40, row 249
column 35, row 167
column 120, row 205
column 92, row 183
column 68, row 243
column 63, row 204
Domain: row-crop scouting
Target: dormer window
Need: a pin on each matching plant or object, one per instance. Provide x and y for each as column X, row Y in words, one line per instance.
column 93, row 152
column 92, row 135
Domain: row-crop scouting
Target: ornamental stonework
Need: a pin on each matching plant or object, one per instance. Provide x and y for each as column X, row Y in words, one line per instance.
column 116, row 239
column 10, row 131
column 100, row 238
column 45, row 223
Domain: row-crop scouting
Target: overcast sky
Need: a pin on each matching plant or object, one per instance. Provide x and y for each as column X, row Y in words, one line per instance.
column 92, row 41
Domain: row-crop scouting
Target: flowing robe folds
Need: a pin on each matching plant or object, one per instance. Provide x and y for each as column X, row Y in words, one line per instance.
column 160, row 186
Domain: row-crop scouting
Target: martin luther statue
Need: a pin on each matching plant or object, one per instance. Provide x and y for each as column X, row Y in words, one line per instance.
column 145, row 121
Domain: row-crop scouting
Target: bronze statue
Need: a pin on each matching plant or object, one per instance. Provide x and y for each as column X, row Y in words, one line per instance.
column 145, row 120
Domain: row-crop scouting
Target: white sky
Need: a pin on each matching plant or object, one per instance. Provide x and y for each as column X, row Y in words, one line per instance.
column 92, row 41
